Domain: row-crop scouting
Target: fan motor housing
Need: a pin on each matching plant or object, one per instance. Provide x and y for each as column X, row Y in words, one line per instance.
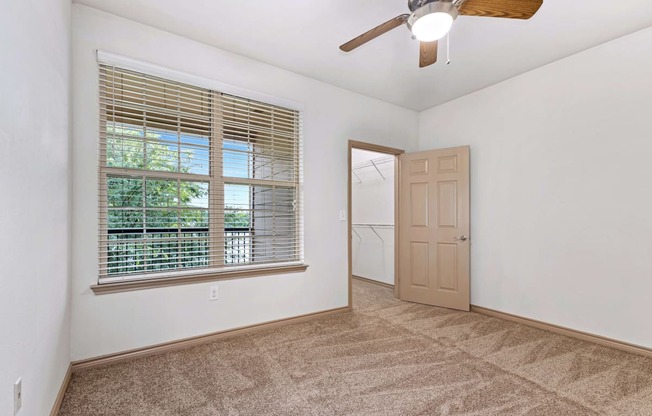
column 416, row 4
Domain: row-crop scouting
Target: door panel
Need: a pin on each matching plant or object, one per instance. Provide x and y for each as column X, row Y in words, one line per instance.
column 447, row 201
column 447, row 266
column 419, row 167
column 419, row 204
column 434, row 225
column 419, row 264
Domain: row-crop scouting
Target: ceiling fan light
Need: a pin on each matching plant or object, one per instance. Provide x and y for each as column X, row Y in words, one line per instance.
column 432, row 27
column 432, row 21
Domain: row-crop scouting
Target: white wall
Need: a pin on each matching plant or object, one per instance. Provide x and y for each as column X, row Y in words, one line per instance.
column 34, row 213
column 372, row 200
column 117, row 322
column 561, row 189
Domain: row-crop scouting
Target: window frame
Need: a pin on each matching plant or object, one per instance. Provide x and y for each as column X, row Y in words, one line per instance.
column 216, row 180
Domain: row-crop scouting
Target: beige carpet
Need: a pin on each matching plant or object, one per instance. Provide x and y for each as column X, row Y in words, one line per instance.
column 386, row 358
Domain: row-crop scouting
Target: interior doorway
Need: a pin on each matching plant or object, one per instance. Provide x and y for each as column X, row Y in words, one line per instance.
column 421, row 247
column 372, row 214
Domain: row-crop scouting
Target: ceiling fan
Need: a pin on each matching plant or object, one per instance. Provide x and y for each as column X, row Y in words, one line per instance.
column 431, row 20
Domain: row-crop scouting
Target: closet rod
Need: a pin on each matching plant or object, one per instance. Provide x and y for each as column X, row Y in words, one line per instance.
column 372, row 227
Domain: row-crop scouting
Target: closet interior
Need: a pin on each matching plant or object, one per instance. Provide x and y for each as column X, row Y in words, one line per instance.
column 372, row 198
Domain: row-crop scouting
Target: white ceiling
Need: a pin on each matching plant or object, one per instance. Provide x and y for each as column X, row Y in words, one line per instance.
column 303, row 36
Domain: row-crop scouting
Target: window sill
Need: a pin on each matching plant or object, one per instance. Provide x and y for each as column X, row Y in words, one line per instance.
column 186, row 280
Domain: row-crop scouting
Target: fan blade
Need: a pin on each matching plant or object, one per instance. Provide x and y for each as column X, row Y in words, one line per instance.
column 428, row 54
column 374, row 33
column 511, row 9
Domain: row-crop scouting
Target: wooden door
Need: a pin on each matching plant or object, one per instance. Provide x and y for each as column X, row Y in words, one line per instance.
column 434, row 226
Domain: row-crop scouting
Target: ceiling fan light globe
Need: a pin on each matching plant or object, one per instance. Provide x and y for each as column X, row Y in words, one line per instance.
column 432, row 21
column 432, row 27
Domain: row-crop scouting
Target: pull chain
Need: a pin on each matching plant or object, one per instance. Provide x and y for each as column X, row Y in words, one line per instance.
column 448, row 48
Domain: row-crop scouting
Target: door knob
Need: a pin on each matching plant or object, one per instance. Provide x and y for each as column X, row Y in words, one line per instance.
column 461, row 238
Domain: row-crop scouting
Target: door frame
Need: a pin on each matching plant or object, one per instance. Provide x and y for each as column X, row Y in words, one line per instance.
column 353, row 144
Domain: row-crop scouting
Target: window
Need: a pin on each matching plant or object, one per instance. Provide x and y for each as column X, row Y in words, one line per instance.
column 193, row 180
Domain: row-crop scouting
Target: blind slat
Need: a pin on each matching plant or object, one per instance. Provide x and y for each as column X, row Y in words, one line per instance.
column 193, row 179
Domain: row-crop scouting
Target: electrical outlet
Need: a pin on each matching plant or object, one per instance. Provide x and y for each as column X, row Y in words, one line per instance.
column 18, row 395
column 212, row 294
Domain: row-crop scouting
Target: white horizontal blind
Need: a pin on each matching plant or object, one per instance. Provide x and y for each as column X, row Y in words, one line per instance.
column 261, row 180
column 192, row 179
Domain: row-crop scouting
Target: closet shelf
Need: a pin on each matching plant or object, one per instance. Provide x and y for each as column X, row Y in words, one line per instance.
column 371, row 163
column 372, row 227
